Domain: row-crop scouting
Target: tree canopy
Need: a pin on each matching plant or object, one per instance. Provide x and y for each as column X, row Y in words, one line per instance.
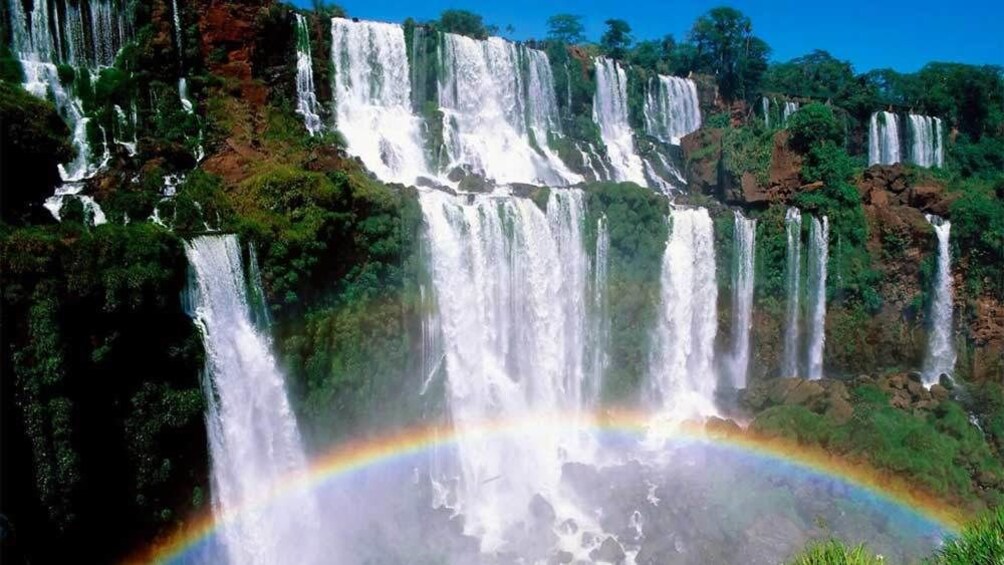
column 727, row 48
column 616, row 39
column 566, row 28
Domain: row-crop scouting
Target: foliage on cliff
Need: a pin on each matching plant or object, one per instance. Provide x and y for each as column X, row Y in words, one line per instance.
column 109, row 410
column 636, row 223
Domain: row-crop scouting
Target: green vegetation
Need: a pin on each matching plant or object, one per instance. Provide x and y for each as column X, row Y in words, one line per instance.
column 566, row 29
column 835, row 553
column 463, row 22
column 978, row 232
column 727, row 48
column 111, row 412
column 616, row 39
column 636, row 222
column 938, row 451
column 980, row 543
column 32, row 138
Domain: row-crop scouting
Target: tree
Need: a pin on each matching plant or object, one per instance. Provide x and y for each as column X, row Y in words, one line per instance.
column 617, row 39
column 463, row 22
column 727, row 48
column 566, row 28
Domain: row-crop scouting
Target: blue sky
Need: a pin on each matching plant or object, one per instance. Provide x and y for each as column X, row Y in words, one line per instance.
column 899, row 34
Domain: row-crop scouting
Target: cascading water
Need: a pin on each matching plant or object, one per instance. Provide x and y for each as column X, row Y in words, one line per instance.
column 372, row 95
column 253, row 437
column 819, row 241
column 306, row 98
column 940, row 357
column 610, row 112
column 499, row 106
column 883, row 139
column 601, row 308
column 682, row 360
column 925, row 141
column 672, row 109
column 41, row 40
column 511, row 284
column 742, row 297
column 790, row 108
column 765, row 107
column 793, row 276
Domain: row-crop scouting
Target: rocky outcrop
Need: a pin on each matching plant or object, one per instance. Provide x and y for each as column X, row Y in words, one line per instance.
column 891, row 185
column 833, row 398
column 984, row 358
column 703, row 168
column 702, row 156
column 823, row 396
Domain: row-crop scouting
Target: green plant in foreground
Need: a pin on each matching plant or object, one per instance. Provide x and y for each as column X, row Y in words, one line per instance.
column 981, row 543
column 836, row 553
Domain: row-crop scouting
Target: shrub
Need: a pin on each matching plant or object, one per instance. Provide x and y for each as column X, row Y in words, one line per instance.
column 980, row 543
column 835, row 553
column 814, row 124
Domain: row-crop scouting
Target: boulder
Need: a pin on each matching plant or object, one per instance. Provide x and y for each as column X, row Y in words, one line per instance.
column 608, row 552
column 939, row 393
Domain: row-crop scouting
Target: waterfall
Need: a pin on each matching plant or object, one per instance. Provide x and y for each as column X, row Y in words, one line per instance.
column 610, row 112
column 306, row 99
column 765, row 106
column 789, row 109
column 499, row 106
column 419, row 68
column 883, row 139
column 819, row 237
column 85, row 39
column 601, row 306
column 926, row 141
column 681, row 365
column 510, row 286
column 940, row 350
column 793, row 276
column 373, row 99
column 742, row 297
column 672, row 109
column 253, row 437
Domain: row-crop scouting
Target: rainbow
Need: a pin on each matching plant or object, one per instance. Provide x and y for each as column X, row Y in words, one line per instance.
column 348, row 458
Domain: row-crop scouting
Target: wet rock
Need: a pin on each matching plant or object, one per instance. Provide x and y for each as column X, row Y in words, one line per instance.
column 805, row 393
column 561, row 557
column 939, row 392
column 917, row 390
column 608, row 552
column 900, row 399
column 569, row 527
column 542, row 511
column 840, row 409
column 722, row 427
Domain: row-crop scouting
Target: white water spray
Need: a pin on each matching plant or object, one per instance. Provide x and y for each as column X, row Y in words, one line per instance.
column 510, row 283
column 610, row 112
column 499, row 109
column 926, row 141
column 253, row 437
column 672, row 109
column 372, row 94
column 819, row 237
column 742, row 297
column 940, row 349
column 883, row 139
column 306, row 98
column 793, row 277
column 682, row 359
